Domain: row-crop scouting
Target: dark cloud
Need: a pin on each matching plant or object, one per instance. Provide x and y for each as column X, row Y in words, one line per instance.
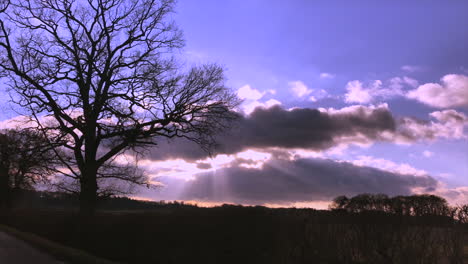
column 318, row 130
column 297, row 128
column 203, row 166
column 287, row 181
column 174, row 149
column 311, row 128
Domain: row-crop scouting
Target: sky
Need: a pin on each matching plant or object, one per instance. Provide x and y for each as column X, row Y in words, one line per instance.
column 339, row 98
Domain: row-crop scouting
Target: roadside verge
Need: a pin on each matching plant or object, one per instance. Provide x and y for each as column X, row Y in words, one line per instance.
column 61, row 252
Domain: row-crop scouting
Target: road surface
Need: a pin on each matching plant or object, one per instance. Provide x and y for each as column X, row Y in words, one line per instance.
column 15, row 251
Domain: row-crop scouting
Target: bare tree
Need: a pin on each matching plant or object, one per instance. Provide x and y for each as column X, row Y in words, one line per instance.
column 26, row 158
column 102, row 74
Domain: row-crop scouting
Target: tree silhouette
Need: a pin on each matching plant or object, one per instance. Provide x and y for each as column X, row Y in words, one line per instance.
column 25, row 159
column 414, row 205
column 98, row 77
column 340, row 202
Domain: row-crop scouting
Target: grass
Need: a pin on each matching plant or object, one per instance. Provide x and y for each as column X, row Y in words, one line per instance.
column 465, row 253
column 60, row 252
column 231, row 234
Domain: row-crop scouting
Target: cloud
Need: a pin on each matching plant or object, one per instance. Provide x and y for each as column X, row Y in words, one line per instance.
column 320, row 130
column 312, row 128
column 250, row 106
column 307, row 128
column 455, row 196
column 252, row 97
column 358, row 92
column 412, row 68
column 203, row 166
column 388, row 165
column 284, row 178
column 247, row 92
column 326, row 75
column 15, row 123
column 300, row 90
column 406, row 80
column 282, row 181
column 448, row 124
column 276, row 127
column 452, row 92
column 272, row 127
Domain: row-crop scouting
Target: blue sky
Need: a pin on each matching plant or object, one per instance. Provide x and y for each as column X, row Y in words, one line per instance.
column 359, row 39
column 267, row 44
column 351, row 59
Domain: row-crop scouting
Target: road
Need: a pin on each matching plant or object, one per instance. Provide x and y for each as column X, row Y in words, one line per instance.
column 15, row 251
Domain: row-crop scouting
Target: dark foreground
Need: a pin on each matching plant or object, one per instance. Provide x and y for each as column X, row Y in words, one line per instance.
column 232, row 234
column 15, row 251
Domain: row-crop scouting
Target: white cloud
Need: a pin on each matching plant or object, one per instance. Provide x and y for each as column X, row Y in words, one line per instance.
column 411, row 68
column 250, row 107
column 454, row 196
column 272, row 102
column 358, row 92
column 181, row 169
column 452, row 92
column 252, row 97
column 362, row 110
column 299, row 89
column 15, row 123
column 428, row 153
column 252, row 159
column 448, row 124
column 22, row 121
column 388, row 165
column 396, row 84
column 326, row 75
column 247, row 92
column 410, row 81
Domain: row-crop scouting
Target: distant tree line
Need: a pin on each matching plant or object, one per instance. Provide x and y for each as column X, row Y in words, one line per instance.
column 414, row 205
column 51, row 200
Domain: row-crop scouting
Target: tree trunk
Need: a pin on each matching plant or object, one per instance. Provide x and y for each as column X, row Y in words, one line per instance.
column 5, row 192
column 88, row 193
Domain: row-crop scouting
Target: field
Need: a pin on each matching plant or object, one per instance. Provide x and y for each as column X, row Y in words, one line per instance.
column 235, row 234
